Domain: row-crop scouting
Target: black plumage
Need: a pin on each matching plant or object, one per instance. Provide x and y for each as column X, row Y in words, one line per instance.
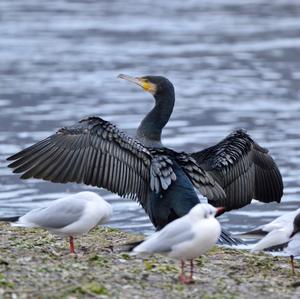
column 97, row 153
column 243, row 169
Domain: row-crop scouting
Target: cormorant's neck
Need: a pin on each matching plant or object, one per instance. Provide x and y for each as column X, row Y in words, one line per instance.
column 150, row 129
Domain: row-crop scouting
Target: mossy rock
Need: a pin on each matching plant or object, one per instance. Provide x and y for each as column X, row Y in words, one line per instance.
column 35, row 264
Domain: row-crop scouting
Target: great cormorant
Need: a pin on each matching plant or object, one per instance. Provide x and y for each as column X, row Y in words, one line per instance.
column 95, row 152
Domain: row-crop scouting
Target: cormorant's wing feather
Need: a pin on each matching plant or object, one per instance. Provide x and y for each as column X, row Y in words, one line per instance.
column 200, row 178
column 161, row 172
column 243, row 169
column 96, row 153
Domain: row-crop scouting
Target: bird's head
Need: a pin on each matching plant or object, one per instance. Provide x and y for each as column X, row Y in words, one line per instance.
column 203, row 211
column 156, row 85
column 296, row 225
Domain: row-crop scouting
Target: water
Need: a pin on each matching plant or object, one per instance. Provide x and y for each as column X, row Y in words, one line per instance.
column 234, row 64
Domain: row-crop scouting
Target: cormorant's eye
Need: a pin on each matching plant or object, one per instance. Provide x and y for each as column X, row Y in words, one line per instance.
column 146, row 81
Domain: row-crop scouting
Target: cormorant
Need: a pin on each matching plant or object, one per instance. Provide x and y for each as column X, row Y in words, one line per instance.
column 95, row 152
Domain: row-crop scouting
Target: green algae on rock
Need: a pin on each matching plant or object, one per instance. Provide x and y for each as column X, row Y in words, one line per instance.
column 35, row 264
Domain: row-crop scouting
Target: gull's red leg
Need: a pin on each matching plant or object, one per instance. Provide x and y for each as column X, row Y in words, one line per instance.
column 182, row 268
column 72, row 245
column 192, row 271
column 293, row 264
column 182, row 277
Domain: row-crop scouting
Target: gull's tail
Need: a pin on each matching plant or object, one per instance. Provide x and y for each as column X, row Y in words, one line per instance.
column 277, row 248
column 257, row 233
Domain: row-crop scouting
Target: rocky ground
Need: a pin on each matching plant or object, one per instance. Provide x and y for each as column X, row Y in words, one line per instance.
column 35, row 264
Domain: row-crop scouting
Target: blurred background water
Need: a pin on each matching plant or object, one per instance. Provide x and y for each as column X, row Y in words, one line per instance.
column 234, row 64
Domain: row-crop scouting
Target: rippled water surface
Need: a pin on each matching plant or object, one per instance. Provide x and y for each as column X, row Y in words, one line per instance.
column 234, row 64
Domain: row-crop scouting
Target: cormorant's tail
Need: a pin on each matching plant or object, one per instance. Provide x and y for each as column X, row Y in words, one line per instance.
column 10, row 219
column 128, row 247
column 227, row 239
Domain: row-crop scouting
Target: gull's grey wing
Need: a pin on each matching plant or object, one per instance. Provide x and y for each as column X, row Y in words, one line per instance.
column 57, row 215
column 243, row 169
column 178, row 231
column 97, row 153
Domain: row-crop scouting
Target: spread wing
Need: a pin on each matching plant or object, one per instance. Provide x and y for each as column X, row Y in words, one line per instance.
column 244, row 170
column 97, row 153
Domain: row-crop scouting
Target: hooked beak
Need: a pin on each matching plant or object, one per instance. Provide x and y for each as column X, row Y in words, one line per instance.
column 135, row 80
column 220, row 211
column 145, row 84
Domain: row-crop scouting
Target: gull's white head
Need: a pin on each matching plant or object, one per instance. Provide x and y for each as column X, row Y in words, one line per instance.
column 204, row 211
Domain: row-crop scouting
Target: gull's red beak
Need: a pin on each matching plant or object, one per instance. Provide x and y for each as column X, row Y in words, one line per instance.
column 220, row 211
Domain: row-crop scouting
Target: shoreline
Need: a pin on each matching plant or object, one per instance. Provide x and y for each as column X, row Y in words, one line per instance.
column 35, row 264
